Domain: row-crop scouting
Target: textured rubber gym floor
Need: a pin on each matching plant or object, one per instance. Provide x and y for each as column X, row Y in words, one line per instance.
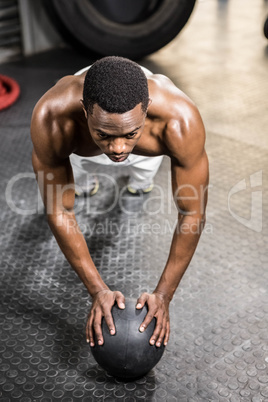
column 218, row 349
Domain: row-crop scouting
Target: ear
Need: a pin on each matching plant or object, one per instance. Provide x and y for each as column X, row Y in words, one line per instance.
column 83, row 107
column 149, row 103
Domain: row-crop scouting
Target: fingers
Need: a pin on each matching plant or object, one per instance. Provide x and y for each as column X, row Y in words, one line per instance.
column 109, row 321
column 89, row 330
column 120, row 299
column 161, row 332
column 142, row 300
column 94, row 326
column 101, row 307
column 97, row 327
column 146, row 322
column 158, row 311
column 89, row 334
column 167, row 334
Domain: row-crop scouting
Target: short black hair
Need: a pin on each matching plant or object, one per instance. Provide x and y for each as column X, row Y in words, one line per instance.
column 116, row 84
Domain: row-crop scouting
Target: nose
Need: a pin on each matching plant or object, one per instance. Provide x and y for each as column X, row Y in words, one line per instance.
column 117, row 146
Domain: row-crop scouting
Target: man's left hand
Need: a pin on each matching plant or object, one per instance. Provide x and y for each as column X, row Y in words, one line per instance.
column 158, row 307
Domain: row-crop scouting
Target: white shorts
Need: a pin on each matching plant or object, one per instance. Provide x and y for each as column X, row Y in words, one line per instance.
column 140, row 169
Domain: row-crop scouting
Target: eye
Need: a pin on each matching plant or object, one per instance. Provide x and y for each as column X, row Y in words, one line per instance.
column 131, row 135
column 102, row 136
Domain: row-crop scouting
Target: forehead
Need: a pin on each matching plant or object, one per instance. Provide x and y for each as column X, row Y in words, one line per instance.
column 108, row 122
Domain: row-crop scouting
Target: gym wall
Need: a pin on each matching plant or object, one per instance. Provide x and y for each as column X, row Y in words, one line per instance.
column 38, row 33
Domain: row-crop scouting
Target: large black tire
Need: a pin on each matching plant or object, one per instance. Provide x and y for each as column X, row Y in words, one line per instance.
column 265, row 28
column 86, row 28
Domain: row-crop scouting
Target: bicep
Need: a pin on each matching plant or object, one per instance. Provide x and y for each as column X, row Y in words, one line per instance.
column 190, row 185
column 53, row 172
column 56, row 183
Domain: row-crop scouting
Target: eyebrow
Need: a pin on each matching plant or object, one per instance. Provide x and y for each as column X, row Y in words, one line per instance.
column 131, row 132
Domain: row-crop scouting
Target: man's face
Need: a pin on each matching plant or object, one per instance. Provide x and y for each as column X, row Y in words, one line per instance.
column 116, row 134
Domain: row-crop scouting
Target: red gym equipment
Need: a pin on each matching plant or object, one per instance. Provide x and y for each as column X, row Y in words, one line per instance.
column 9, row 91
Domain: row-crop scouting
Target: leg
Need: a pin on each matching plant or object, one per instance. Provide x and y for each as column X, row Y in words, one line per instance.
column 85, row 180
column 142, row 171
column 85, row 173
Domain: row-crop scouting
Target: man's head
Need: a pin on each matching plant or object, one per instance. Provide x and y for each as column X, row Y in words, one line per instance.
column 115, row 100
column 116, row 84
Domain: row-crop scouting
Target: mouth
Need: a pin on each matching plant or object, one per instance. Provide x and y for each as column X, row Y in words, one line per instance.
column 118, row 158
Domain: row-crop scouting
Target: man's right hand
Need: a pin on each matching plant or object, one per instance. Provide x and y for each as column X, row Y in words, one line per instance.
column 102, row 304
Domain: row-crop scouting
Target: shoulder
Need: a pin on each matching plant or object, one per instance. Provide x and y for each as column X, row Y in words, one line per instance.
column 184, row 138
column 53, row 122
column 184, row 134
column 59, row 102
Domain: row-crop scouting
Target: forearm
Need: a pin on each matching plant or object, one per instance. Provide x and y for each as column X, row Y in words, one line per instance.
column 73, row 245
column 184, row 243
